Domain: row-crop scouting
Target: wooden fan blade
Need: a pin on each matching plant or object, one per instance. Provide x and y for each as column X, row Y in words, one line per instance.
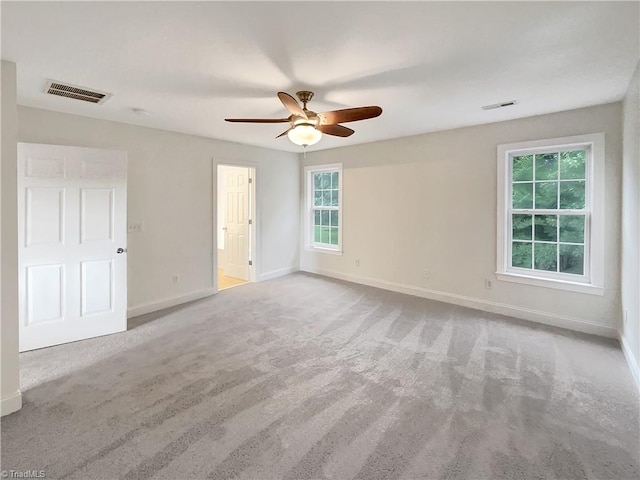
column 335, row 130
column 291, row 104
column 257, row 120
column 349, row 115
column 283, row 133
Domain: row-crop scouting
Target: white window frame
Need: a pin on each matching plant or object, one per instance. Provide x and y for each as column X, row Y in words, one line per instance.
column 592, row 281
column 310, row 208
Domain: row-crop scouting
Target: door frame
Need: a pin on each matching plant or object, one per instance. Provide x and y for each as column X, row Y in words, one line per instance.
column 254, row 227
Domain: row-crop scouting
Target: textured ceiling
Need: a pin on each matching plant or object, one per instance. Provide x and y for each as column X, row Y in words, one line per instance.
column 429, row 65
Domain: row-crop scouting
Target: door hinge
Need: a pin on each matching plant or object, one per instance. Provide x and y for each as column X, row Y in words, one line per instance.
column 250, row 180
column 250, row 263
column 250, row 222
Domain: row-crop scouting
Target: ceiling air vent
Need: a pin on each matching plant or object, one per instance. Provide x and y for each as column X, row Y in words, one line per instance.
column 499, row 105
column 76, row 92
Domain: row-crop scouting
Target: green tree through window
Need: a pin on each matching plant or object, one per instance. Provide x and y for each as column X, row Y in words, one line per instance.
column 324, row 184
column 549, row 211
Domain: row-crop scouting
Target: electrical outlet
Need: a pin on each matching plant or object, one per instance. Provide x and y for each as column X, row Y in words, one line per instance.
column 487, row 283
column 427, row 273
column 176, row 278
column 134, row 227
column 357, row 262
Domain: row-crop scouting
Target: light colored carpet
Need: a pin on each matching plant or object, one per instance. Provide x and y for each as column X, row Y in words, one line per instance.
column 304, row 377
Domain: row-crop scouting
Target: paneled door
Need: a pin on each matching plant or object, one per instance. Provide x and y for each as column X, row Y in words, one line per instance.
column 72, row 234
column 237, row 222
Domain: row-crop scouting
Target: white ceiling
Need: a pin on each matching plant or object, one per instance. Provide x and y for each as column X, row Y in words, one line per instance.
column 429, row 65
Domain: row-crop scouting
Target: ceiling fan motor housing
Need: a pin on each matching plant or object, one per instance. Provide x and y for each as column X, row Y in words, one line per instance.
column 305, row 96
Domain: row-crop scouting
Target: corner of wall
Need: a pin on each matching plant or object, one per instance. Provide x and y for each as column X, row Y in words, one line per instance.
column 10, row 378
column 632, row 361
column 278, row 273
column 629, row 332
column 11, row 403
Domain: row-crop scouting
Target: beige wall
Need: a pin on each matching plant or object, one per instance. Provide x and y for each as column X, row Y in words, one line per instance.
column 171, row 190
column 429, row 202
column 9, row 388
column 631, row 223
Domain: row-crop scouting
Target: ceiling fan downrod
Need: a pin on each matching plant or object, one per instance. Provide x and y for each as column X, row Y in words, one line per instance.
column 305, row 96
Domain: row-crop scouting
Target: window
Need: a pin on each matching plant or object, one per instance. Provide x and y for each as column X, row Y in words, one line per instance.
column 324, row 207
column 550, row 201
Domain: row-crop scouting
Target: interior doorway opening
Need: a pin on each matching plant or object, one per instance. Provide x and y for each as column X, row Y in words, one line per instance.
column 235, row 226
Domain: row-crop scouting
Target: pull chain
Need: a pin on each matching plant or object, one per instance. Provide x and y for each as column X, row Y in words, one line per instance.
column 304, row 152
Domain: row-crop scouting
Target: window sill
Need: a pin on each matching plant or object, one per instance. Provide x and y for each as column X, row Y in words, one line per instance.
column 323, row 250
column 549, row 283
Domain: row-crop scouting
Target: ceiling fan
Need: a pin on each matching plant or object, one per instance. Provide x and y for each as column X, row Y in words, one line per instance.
column 307, row 126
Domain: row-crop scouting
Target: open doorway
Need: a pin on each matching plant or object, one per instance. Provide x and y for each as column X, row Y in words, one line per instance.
column 235, row 229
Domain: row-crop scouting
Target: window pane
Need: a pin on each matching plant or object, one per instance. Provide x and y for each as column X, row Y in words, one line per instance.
column 326, row 181
column 547, row 195
column 545, row 256
column 334, row 198
column 334, row 218
column 572, row 164
column 334, row 235
column 325, row 218
column 572, row 195
column 546, row 228
column 547, row 166
column 522, row 227
column 523, row 168
column 572, row 228
column 521, row 254
column 572, row 259
column 523, row 195
column 324, row 235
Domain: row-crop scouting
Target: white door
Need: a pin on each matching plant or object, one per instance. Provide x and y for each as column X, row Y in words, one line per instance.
column 72, row 210
column 236, row 245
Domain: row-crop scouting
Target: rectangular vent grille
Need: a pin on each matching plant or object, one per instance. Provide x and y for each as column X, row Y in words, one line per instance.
column 499, row 105
column 76, row 92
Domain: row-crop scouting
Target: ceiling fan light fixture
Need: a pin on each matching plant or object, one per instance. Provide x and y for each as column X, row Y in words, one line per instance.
column 304, row 134
column 307, row 126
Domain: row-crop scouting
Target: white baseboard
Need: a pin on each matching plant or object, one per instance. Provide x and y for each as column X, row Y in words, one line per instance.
column 189, row 297
column 277, row 273
column 168, row 302
column 11, row 403
column 537, row 316
column 631, row 360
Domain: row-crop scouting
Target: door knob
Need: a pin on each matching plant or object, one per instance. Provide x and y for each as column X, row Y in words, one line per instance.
column 120, row 250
